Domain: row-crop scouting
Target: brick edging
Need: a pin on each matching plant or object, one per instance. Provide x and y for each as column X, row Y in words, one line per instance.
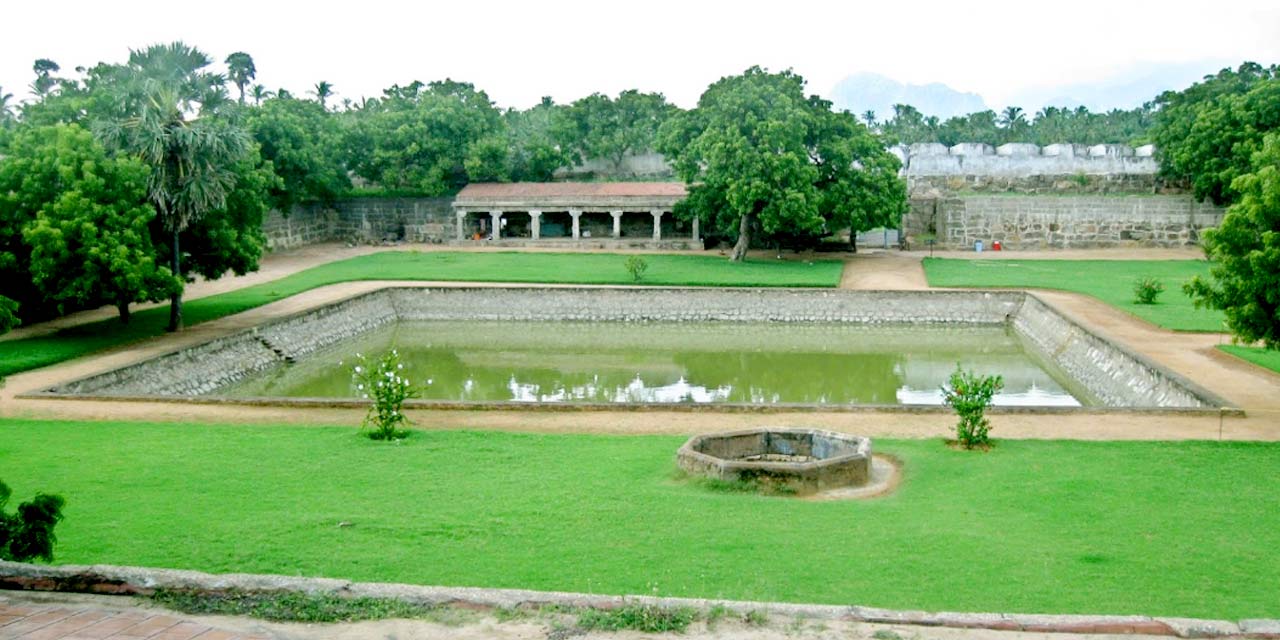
column 140, row 581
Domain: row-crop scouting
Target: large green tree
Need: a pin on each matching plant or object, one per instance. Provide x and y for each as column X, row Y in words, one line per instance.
column 172, row 126
column 760, row 156
column 598, row 126
column 303, row 142
column 534, row 153
column 89, row 239
column 1245, row 249
column 1207, row 134
column 427, row 138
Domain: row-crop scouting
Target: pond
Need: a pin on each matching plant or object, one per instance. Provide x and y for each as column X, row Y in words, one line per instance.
column 612, row 362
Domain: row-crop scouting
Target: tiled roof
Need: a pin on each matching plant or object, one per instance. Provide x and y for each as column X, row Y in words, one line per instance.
column 510, row 190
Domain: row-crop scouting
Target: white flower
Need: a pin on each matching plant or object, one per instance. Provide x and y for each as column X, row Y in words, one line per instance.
column 359, row 387
column 359, row 368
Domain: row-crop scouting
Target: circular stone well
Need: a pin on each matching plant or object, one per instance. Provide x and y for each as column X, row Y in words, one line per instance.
column 798, row 461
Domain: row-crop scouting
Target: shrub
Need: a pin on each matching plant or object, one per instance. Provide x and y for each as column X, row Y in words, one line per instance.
column 636, row 266
column 645, row 618
column 384, row 381
column 27, row 534
column 1146, row 290
column 970, row 394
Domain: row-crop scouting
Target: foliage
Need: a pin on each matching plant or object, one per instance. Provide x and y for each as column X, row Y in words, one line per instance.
column 534, row 153
column 241, row 71
column 645, row 618
column 569, row 268
column 969, row 394
column 1207, row 134
column 27, row 534
column 303, row 143
column 582, row 494
column 758, row 154
column 1245, row 281
column 8, row 314
column 1049, row 125
column 598, row 126
column 636, row 266
column 88, row 234
column 1147, row 289
column 384, row 381
column 192, row 160
column 431, row 138
column 1110, row 281
column 292, row 606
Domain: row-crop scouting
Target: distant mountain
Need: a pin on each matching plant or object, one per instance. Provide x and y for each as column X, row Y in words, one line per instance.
column 863, row 91
column 1130, row 88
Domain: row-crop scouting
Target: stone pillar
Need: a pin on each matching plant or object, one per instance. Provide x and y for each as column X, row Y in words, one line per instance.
column 575, row 214
column 497, row 224
column 617, row 223
column 657, row 223
column 462, row 218
column 535, row 224
column 695, row 230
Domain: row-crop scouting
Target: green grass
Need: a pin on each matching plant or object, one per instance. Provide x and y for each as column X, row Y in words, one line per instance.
column 1172, row 529
column 1110, row 281
column 288, row 606
column 1262, row 357
column 568, row 268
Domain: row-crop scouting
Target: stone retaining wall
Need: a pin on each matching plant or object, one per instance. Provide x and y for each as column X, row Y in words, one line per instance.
column 1060, row 222
column 362, row 220
column 1115, row 376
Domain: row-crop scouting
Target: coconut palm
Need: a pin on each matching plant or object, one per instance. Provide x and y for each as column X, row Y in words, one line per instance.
column 869, row 118
column 241, row 71
column 259, row 93
column 322, row 92
column 172, row 125
column 6, row 110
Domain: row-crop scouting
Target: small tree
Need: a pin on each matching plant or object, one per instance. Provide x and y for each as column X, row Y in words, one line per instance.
column 28, row 533
column 383, row 381
column 970, row 394
column 636, row 266
column 1146, row 290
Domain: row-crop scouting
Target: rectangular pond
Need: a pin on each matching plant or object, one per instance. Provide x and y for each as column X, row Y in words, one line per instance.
column 668, row 362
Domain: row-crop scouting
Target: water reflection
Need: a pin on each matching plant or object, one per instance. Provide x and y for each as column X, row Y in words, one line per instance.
column 680, row 363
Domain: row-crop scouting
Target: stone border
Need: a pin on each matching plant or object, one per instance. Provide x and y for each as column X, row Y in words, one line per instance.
column 293, row 335
column 139, row 581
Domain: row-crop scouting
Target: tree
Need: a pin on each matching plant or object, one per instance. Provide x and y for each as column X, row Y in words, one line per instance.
column 44, row 82
column 303, row 143
column 6, row 109
column 8, row 314
column 323, row 91
column 869, row 118
column 1207, row 134
column 757, row 154
column 27, row 534
column 600, row 127
column 534, row 155
column 241, row 71
column 89, row 240
column 192, row 159
column 259, row 93
column 1245, row 282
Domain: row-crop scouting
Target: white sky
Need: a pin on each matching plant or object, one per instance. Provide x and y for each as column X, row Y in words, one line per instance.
column 519, row 51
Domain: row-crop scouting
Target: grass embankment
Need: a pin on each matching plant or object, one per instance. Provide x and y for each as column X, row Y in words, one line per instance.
column 1174, row 529
column 1110, row 281
column 556, row 268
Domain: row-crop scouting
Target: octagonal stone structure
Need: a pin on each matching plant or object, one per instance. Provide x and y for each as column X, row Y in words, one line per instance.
column 786, row 460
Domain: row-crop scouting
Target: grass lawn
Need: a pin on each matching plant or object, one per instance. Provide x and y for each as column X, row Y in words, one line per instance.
column 1173, row 529
column 1256, row 355
column 1110, row 281
column 574, row 268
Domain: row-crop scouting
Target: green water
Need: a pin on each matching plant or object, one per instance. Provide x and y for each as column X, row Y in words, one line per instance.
column 679, row 362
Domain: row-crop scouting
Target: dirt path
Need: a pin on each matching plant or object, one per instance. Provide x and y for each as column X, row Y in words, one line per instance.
column 64, row 616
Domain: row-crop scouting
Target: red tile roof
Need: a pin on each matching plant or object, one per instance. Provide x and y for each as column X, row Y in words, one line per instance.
column 510, row 190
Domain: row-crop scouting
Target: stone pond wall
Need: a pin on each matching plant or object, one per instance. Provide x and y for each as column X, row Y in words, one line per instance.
column 1113, row 375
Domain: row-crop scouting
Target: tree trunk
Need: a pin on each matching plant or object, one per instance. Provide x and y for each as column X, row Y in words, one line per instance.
column 744, row 239
column 175, row 302
column 123, row 307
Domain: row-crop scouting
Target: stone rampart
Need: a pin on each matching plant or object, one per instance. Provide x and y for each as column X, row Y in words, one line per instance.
column 1060, row 222
column 1112, row 374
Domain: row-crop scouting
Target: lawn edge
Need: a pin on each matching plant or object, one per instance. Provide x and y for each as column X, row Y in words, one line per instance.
column 142, row 581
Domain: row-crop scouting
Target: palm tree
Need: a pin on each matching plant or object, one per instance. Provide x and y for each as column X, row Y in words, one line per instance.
column 1012, row 117
column 322, row 92
column 170, row 124
column 259, row 93
column 869, row 117
column 241, row 71
column 6, row 111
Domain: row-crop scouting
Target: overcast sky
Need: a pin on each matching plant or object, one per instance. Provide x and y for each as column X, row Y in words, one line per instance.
column 521, row 50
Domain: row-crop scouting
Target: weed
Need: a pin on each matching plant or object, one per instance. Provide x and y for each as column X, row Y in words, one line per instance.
column 756, row 618
column 292, row 606
column 645, row 618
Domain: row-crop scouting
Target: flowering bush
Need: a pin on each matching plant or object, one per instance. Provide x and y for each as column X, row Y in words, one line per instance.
column 383, row 381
